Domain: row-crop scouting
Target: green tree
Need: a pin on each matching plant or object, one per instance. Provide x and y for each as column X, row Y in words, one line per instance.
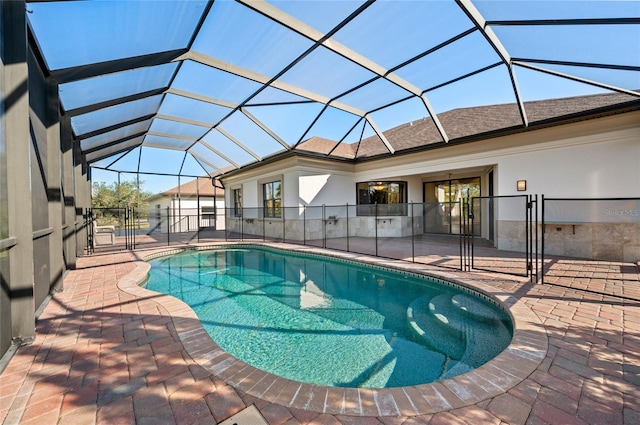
column 108, row 199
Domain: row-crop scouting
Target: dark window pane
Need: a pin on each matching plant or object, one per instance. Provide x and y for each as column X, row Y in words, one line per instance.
column 381, row 198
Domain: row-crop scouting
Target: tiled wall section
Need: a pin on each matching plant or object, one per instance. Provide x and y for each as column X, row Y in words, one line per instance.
column 599, row 241
column 388, row 226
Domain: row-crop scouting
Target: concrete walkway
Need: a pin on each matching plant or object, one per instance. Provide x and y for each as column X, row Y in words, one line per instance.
column 108, row 356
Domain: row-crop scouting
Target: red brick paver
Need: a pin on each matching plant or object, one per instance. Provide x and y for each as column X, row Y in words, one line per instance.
column 103, row 355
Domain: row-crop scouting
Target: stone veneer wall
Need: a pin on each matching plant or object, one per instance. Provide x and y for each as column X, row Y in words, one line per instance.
column 601, row 241
column 598, row 241
column 395, row 226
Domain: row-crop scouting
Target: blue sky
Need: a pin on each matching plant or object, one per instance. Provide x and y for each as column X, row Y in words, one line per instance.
column 387, row 32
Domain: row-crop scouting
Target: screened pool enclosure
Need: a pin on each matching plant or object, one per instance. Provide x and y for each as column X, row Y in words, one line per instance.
column 200, row 88
column 163, row 92
column 160, row 93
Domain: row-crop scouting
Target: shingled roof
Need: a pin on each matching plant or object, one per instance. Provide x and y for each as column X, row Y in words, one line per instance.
column 325, row 146
column 464, row 123
column 190, row 190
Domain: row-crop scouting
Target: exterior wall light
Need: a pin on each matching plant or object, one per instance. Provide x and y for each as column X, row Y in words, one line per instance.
column 521, row 185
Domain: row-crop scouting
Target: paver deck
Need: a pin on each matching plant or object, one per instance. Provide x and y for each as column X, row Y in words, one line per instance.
column 110, row 352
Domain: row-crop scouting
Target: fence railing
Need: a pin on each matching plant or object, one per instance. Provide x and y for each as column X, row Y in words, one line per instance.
column 606, row 229
column 390, row 231
column 498, row 233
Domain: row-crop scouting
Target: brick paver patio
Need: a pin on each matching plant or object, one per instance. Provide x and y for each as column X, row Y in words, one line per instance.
column 107, row 353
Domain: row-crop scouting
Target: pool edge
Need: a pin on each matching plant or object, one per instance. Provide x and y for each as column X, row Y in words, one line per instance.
column 527, row 350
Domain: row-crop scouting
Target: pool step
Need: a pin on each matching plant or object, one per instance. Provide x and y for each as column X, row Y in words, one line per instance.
column 454, row 368
column 434, row 329
column 473, row 308
column 484, row 334
column 461, row 327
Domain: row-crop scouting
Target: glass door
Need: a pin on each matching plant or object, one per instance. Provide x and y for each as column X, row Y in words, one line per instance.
column 443, row 211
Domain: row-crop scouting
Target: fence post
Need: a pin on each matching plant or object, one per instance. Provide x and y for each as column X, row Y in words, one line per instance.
column 135, row 231
column 469, row 231
column 527, row 232
column 127, row 227
column 89, row 227
column 284, row 218
column 375, row 223
column 304, row 224
column 542, row 244
column 413, row 246
column 461, row 239
column 347, row 227
column 128, row 220
column 324, row 228
column 536, row 239
column 168, row 226
column 531, row 230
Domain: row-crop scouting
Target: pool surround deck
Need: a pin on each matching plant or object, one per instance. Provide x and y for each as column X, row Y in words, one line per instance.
column 104, row 355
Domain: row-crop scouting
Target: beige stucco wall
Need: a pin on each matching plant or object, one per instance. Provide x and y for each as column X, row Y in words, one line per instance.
column 588, row 159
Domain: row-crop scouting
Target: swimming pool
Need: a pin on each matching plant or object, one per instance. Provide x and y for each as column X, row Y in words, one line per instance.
column 331, row 322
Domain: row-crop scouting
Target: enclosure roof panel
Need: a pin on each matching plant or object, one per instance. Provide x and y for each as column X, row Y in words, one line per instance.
column 222, row 85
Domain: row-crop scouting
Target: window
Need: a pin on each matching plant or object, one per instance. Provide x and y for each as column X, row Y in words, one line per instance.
column 208, row 213
column 208, row 217
column 382, row 198
column 272, row 199
column 237, row 202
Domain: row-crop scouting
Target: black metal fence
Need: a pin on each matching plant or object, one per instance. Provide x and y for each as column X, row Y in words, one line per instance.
column 378, row 230
column 512, row 224
column 372, row 230
column 456, row 235
column 453, row 235
column 109, row 227
column 118, row 229
column 460, row 235
column 605, row 231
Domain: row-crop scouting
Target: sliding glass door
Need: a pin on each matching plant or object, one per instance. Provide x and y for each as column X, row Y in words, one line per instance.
column 443, row 204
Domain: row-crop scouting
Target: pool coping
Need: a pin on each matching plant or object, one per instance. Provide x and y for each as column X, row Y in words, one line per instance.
column 527, row 350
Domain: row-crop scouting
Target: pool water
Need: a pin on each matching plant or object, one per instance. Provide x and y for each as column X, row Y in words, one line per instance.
column 332, row 322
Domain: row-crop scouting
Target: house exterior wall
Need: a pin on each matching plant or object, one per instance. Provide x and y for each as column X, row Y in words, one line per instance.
column 593, row 158
column 589, row 159
column 181, row 215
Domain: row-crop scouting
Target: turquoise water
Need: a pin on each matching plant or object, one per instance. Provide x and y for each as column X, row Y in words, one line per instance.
column 334, row 323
